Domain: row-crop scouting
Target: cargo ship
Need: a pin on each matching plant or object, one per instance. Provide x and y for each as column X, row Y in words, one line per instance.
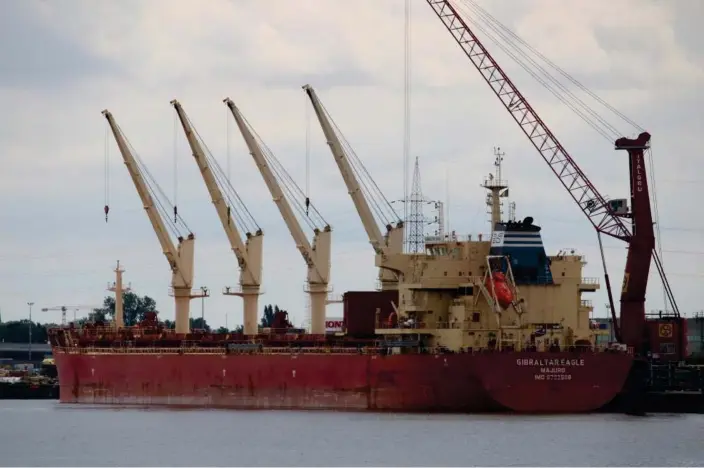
column 465, row 330
column 467, row 325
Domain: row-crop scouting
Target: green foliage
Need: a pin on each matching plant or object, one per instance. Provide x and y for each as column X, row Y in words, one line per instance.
column 17, row 331
column 134, row 308
column 268, row 317
column 199, row 324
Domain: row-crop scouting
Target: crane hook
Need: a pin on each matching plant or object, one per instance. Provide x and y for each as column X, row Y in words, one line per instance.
column 175, row 214
column 107, row 209
column 307, row 205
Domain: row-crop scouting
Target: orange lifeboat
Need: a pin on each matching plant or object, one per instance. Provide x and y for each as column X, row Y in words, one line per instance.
column 503, row 293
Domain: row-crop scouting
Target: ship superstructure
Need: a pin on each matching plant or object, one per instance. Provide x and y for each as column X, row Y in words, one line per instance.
column 451, row 295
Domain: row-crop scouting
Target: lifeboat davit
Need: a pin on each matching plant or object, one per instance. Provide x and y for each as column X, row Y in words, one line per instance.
column 392, row 321
column 502, row 292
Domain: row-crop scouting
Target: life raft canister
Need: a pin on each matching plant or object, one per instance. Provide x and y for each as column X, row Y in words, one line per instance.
column 503, row 293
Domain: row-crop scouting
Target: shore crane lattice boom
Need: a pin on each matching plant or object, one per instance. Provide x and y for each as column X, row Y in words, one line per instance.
column 386, row 246
column 180, row 257
column 631, row 328
column 249, row 252
column 315, row 255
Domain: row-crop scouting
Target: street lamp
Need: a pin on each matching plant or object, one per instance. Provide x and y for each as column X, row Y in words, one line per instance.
column 30, row 304
column 204, row 290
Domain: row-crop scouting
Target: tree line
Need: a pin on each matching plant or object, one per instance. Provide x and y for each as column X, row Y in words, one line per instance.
column 17, row 331
column 135, row 307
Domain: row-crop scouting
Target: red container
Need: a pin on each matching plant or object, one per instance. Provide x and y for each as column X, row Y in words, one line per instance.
column 360, row 310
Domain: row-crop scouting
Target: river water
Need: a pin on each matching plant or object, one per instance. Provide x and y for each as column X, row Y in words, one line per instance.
column 46, row 433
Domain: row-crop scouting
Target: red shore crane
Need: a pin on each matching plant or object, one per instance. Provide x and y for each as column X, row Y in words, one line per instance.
column 633, row 329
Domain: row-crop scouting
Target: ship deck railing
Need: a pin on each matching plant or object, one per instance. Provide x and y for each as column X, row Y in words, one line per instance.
column 216, row 350
column 368, row 350
column 463, row 325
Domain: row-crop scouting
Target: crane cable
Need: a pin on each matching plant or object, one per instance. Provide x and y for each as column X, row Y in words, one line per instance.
column 175, row 170
column 107, row 171
column 406, row 117
column 512, row 40
column 655, row 211
column 307, row 117
column 492, row 19
column 227, row 155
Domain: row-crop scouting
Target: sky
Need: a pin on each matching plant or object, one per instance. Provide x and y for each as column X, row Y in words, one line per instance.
column 64, row 61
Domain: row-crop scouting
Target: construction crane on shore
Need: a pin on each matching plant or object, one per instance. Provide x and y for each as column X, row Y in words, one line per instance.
column 368, row 200
column 180, row 257
column 316, row 254
column 606, row 216
column 235, row 218
column 74, row 308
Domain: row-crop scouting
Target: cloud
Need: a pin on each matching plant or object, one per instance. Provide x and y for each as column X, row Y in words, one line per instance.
column 67, row 63
column 34, row 54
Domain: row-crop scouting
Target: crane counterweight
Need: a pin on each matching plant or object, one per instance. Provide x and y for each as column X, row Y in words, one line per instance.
column 641, row 142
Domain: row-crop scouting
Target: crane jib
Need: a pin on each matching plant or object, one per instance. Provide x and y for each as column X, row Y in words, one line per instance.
column 582, row 191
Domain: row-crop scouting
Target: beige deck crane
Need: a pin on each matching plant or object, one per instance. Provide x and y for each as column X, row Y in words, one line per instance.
column 388, row 247
column 180, row 257
column 248, row 253
column 317, row 254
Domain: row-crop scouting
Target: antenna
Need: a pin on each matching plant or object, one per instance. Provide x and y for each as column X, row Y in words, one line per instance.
column 512, row 211
column 447, row 198
column 416, row 221
column 497, row 162
column 497, row 189
column 439, row 219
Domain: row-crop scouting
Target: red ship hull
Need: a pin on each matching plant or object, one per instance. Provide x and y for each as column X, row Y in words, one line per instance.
column 540, row 382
